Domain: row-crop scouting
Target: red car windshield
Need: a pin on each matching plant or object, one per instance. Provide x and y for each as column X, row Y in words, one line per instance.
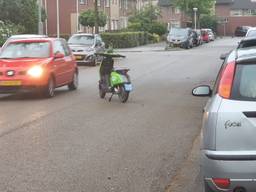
column 26, row 50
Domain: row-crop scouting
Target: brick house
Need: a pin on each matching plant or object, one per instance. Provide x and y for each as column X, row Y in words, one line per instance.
column 172, row 15
column 117, row 12
column 234, row 13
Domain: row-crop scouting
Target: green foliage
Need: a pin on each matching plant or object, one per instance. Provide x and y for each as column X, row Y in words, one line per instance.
column 146, row 20
column 208, row 21
column 87, row 18
column 128, row 39
column 204, row 6
column 158, row 28
column 21, row 12
column 8, row 29
column 149, row 14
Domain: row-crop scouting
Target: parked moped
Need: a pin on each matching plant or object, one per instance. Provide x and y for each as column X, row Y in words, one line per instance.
column 114, row 81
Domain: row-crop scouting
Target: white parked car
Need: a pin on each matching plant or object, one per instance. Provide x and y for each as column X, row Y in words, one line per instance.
column 251, row 32
column 210, row 33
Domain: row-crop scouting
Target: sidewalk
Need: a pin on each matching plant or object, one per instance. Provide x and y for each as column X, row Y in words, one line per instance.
column 145, row 48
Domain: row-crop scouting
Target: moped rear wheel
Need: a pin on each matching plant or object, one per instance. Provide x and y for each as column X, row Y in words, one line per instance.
column 123, row 95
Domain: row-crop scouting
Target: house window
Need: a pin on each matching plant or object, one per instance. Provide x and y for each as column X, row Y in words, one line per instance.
column 126, row 4
column 247, row 12
column 82, row 2
column 174, row 24
column 177, row 10
column 107, row 3
column 98, row 3
column 236, row 12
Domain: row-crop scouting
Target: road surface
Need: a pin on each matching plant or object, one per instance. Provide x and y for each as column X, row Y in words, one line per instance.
column 78, row 142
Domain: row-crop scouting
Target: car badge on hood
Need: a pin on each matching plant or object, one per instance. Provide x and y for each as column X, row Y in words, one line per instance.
column 10, row 73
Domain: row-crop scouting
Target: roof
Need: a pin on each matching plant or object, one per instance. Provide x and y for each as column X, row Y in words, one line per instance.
column 238, row 4
column 165, row 3
column 244, row 4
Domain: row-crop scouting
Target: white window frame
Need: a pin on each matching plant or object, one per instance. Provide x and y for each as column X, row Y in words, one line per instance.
column 236, row 12
column 82, row 2
column 107, row 3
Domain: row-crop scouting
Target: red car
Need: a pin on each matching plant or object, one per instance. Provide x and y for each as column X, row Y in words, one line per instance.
column 37, row 64
column 205, row 36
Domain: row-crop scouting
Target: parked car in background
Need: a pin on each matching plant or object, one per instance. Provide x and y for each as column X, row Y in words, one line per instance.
column 251, row 32
column 211, row 36
column 241, row 31
column 210, row 33
column 228, row 155
column 39, row 64
column 205, row 36
column 84, row 46
column 247, row 42
column 180, row 37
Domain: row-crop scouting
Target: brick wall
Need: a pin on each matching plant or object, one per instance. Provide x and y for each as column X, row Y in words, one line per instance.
column 233, row 21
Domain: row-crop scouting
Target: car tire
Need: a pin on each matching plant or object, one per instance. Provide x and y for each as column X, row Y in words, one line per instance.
column 187, row 46
column 49, row 90
column 74, row 84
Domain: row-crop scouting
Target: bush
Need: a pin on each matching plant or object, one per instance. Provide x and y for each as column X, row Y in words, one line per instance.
column 158, row 28
column 208, row 21
column 125, row 39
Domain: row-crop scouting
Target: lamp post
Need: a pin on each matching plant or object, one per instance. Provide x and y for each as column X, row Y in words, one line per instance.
column 40, row 24
column 58, row 18
column 195, row 9
column 77, row 16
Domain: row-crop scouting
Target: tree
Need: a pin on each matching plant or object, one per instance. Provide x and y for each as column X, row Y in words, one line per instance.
column 146, row 20
column 208, row 21
column 20, row 12
column 88, row 18
column 204, row 6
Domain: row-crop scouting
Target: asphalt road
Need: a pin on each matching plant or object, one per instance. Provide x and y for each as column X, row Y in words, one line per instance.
column 77, row 142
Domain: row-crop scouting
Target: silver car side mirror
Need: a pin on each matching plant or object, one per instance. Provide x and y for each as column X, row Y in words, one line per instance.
column 202, row 91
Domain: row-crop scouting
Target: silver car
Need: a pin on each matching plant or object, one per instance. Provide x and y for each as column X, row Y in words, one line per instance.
column 228, row 151
column 84, row 46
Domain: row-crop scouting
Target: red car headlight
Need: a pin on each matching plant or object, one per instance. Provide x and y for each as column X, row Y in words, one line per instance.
column 35, row 71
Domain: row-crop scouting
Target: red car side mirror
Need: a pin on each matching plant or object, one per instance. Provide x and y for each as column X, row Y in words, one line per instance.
column 59, row 56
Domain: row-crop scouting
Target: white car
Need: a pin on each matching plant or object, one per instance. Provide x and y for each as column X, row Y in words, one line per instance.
column 210, row 33
column 251, row 32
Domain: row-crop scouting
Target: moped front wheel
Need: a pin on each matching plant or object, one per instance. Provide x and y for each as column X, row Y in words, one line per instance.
column 123, row 95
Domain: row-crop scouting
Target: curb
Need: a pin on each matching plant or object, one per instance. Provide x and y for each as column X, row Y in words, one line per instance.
column 187, row 178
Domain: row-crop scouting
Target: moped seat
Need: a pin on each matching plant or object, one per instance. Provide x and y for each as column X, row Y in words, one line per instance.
column 122, row 70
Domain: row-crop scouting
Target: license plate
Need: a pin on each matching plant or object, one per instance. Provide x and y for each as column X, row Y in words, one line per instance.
column 78, row 57
column 128, row 87
column 10, row 83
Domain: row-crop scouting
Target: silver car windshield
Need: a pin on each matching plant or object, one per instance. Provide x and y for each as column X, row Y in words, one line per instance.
column 81, row 39
column 179, row 32
column 26, row 50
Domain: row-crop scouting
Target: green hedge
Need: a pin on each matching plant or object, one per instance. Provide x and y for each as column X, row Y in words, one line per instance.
column 8, row 29
column 128, row 39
